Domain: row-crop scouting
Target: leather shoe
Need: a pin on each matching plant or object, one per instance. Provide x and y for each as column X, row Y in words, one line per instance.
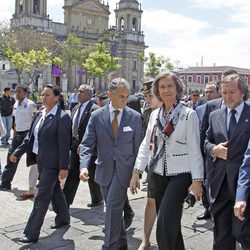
column 123, row 247
column 25, row 239
column 128, row 220
column 26, row 196
column 204, row 216
column 4, row 188
column 54, row 226
column 91, row 204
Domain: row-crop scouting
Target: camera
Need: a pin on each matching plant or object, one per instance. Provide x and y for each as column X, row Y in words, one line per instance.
column 190, row 199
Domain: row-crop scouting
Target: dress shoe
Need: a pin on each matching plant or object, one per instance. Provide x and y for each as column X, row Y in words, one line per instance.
column 204, row 216
column 26, row 239
column 4, row 188
column 26, row 196
column 54, row 226
column 128, row 220
column 97, row 204
column 123, row 247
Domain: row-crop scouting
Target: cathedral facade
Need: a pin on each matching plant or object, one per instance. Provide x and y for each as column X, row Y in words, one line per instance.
column 89, row 20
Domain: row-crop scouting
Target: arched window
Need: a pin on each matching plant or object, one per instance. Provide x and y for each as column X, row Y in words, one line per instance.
column 36, row 7
column 21, row 7
column 134, row 24
column 122, row 23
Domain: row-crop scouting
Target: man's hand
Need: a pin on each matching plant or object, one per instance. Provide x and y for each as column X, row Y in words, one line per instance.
column 63, row 174
column 78, row 150
column 239, row 209
column 134, row 182
column 84, row 174
column 13, row 158
column 220, row 150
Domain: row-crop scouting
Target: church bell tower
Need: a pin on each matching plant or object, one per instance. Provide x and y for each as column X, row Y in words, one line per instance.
column 128, row 24
column 31, row 13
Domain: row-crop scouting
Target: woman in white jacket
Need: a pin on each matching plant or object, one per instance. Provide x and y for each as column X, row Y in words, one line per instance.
column 171, row 149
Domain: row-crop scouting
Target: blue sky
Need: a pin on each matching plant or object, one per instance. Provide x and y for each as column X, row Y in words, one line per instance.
column 185, row 30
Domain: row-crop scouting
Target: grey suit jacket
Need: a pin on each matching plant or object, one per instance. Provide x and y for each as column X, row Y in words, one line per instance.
column 217, row 133
column 54, row 141
column 119, row 153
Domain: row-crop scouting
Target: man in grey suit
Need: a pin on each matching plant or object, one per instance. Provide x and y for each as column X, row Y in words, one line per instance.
column 116, row 132
column 227, row 139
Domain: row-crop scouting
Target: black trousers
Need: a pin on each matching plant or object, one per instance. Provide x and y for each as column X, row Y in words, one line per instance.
column 49, row 190
column 72, row 181
column 11, row 167
column 170, row 192
column 227, row 227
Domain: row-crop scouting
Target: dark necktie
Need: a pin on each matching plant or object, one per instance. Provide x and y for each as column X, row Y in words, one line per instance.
column 76, row 122
column 232, row 123
column 115, row 122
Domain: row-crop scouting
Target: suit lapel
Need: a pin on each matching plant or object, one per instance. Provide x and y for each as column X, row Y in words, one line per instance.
column 85, row 112
column 106, row 119
column 124, row 121
column 222, row 122
column 74, row 110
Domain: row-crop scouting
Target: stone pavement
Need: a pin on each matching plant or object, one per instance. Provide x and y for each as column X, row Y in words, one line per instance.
column 85, row 231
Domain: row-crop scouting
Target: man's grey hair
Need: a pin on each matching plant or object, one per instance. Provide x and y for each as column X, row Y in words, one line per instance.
column 88, row 89
column 118, row 83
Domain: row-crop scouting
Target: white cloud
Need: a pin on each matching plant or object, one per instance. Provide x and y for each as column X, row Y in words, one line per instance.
column 217, row 4
column 163, row 21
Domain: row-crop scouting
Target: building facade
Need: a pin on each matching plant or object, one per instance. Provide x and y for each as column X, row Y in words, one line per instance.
column 197, row 77
column 89, row 20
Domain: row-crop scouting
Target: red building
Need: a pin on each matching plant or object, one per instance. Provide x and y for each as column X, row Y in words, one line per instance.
column 197, row 77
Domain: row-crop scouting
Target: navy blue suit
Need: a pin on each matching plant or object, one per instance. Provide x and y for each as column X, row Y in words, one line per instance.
column 54, row 138
column 223, row 176
column 243, row 187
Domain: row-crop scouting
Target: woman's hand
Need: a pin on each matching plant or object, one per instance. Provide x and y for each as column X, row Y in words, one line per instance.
column 196, row 188
column 134, row 182
column 13, row 158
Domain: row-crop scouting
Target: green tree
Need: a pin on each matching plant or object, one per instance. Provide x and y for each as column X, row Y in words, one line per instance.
column 72, row 54
column 100, row 62
column 29, row 62
column 155, row 64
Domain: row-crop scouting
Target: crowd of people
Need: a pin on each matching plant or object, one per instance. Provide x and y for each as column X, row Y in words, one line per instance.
column 191, row 150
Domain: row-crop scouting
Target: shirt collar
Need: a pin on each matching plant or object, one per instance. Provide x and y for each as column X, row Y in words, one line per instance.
column 239, row 108
column 112, row 109
column 23, row 101
column 52, row 111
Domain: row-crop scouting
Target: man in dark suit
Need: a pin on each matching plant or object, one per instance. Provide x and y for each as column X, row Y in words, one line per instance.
column 48, row 145
column 116, row 132
column 241, row 208
column 227, row 139
column 80, row 118
column 203, row 111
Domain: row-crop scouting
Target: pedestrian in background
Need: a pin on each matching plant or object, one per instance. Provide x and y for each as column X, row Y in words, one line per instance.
column 6, row 107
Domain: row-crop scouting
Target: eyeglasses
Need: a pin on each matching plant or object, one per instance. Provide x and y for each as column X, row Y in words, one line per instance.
column 195, row 95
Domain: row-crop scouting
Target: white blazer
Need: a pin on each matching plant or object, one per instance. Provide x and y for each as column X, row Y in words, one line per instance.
column 183, row 153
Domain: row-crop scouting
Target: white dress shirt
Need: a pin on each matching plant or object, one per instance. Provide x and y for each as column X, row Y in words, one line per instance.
column 112, row 114
column 36, row 130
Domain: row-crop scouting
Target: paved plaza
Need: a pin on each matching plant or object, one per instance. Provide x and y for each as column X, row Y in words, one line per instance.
column 85, row 231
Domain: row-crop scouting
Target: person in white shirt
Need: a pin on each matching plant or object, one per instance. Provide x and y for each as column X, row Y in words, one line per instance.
column 23, row 112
